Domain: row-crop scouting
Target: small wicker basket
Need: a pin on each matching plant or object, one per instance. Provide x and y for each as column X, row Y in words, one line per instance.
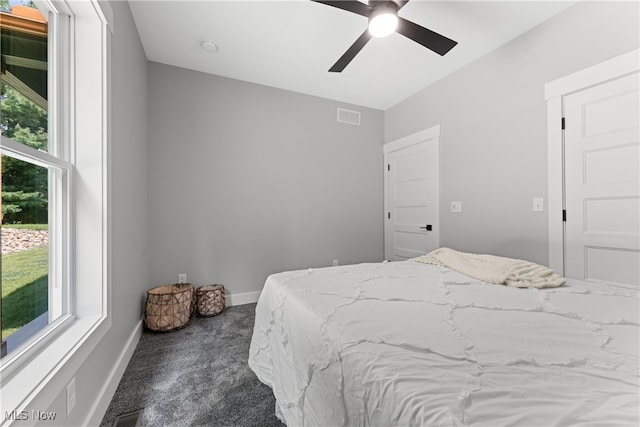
column 211, row 300
column 169, row 307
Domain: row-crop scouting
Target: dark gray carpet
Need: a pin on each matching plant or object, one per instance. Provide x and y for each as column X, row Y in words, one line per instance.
column 197, row 376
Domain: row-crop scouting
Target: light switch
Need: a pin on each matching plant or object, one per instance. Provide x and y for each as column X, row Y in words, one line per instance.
column 538, row 204
column 456, row 206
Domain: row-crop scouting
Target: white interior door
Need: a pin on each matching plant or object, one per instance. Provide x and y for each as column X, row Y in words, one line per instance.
column 412, row 195
column 602, row 178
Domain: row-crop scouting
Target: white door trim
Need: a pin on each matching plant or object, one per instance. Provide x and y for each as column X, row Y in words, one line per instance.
column 554, row 93
column 423, row 135
column 398, row 144
column 593, row 75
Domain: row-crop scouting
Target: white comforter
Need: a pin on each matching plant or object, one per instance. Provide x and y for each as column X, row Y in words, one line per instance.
column 406, row 343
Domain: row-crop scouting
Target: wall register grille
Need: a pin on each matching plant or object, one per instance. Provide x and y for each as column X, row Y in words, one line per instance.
column 348, row 116
column 131, row 419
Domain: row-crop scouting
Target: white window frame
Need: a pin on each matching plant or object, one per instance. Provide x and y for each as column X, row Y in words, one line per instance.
column 81, row 114
column 60, row 197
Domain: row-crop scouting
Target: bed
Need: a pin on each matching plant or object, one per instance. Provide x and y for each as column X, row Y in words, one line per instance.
column 410, row 343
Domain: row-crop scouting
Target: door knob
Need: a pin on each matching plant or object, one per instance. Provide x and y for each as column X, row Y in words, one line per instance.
column 427, row 227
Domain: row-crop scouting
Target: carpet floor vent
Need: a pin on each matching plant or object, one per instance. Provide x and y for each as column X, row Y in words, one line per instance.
column 129, row 419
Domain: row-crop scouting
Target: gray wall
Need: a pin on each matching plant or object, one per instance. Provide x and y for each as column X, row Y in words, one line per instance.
column 493, row 154
column 248, row 180
column 129, row 219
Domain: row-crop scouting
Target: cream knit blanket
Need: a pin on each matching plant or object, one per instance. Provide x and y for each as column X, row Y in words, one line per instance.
column 495, row 269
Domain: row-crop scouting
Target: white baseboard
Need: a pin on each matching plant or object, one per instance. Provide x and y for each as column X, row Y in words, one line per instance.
column 99, row 408
column 243, row 298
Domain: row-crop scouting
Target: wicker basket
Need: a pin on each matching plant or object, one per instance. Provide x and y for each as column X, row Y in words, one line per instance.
column 169, row 307
column 211, row 300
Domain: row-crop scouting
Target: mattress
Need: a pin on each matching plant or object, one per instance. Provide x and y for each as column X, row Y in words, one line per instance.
column 406, row 343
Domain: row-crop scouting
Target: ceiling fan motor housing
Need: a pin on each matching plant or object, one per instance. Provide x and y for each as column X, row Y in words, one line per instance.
column 397, row 3
column 384, row 7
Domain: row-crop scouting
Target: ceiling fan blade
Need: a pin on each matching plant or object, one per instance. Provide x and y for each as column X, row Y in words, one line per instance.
column 351, row 53
column 349, row 5
column 427, row 38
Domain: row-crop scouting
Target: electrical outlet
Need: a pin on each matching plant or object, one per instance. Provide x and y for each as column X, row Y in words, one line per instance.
column 71, row 395
column 538, row 204
column 335, row 262
column 456, row 206
column 182, row 278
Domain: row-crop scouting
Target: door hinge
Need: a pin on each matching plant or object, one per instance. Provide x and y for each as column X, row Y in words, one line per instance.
column 564, row 215
column 563, row 123
column 388, row 215
column 388, row 167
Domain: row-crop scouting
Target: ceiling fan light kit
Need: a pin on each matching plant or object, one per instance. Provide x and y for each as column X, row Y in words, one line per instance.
column 384, row 20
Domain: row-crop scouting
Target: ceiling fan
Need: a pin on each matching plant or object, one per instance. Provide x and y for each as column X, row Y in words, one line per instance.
column 384, row 20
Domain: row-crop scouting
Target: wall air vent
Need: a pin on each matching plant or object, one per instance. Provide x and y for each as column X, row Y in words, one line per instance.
column 348, row 116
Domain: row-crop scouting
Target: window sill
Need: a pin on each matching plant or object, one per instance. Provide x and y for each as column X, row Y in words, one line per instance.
column 44, row 370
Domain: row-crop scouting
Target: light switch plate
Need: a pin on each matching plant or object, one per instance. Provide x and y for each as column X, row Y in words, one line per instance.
column 456, row 206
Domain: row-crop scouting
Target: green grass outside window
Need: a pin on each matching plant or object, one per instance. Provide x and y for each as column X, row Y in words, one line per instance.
column 24, row 285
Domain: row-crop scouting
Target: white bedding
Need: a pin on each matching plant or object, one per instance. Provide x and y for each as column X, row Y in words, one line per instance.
column 407, row 343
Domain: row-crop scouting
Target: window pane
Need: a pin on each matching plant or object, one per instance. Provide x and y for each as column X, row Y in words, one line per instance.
column 25, row 186
column 24, row 81
column 25, row 250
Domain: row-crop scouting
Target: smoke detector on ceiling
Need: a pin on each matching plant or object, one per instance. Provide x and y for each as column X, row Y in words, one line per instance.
column 209, row 46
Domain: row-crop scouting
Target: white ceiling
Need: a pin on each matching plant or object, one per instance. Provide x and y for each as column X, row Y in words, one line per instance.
column 290, row 44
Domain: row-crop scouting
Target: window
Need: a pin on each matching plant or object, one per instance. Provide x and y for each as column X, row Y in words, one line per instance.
column 34, row 183
column 76, row 164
